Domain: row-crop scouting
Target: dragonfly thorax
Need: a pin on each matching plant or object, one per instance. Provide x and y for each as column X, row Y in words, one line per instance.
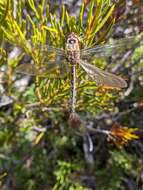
column 72, row 48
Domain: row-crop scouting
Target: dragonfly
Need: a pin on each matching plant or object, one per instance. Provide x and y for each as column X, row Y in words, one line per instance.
column 58, row 62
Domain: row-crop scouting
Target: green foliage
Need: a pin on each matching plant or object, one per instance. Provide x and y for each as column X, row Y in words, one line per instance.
column 64, row 174
column 119, row 165
column 38, row 148
column 18, row 30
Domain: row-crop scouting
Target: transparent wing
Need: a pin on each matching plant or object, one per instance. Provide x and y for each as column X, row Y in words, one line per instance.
column 44, row 49
column 51, row 70
column 105, row 50
column 103, row 77
column 49, row 62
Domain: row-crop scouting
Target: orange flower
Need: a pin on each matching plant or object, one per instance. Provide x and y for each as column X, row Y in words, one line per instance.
column 121, row 135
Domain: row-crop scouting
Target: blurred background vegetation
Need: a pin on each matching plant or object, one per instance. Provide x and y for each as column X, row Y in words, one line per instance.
column 38, row 148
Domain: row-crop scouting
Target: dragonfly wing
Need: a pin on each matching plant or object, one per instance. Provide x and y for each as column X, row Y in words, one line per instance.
column 103, row 77
column 46, row 49
column 50, row 62
column 106, row 50
column 51, row 70
column 29, row 69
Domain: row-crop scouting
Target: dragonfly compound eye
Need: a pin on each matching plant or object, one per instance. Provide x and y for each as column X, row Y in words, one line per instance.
column 71, row 41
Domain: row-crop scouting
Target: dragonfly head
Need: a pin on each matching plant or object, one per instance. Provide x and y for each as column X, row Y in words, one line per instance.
column 72, row 42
